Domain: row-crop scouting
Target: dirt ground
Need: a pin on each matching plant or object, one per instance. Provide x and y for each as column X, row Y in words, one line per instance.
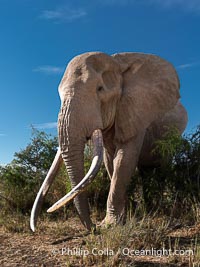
column 41, row 248
column 47, row 247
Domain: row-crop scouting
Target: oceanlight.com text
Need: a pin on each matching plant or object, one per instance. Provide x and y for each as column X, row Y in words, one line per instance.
column 123, row 251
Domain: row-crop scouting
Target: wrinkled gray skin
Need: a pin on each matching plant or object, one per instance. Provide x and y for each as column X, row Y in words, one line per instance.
column 130, row 97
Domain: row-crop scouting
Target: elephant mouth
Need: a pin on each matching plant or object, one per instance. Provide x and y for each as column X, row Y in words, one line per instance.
column 97, row 140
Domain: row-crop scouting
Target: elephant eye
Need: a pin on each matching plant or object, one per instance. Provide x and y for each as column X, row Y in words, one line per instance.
column 100, row 89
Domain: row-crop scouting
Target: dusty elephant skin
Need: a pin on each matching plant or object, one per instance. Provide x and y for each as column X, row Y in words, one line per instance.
column 123, row 103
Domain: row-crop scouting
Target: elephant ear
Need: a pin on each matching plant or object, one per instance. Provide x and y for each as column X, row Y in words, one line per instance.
column 150, row 88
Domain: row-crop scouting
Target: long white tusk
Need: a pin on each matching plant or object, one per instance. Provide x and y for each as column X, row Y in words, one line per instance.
column 44, row 189
column 97, row 140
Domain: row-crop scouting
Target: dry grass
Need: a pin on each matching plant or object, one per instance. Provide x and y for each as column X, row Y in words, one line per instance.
column 66, row 243
column 146, row 236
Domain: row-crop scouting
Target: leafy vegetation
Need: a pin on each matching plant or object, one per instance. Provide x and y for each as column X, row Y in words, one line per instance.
column 21, row 179
column 176, row 181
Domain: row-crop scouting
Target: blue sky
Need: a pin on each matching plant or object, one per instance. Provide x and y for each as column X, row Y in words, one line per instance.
column 38, row 38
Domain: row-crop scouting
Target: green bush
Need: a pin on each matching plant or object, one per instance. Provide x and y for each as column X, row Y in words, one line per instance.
column 176, row 180
column 21, row 179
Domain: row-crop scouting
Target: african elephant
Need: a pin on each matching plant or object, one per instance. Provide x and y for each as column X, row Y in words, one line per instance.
column 122, row 103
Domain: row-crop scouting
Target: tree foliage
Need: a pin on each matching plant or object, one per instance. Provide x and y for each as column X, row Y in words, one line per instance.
column 21, row 179
column 177, row 179
column 39, row 154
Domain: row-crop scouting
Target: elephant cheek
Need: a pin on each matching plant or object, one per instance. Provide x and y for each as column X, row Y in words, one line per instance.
column 108, row 112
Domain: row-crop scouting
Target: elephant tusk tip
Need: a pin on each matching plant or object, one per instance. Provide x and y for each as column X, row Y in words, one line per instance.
column 51, row 209
column 32, row 226
column 63, row 201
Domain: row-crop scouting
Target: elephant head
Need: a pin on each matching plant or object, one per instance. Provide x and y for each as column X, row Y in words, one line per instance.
column 125, row 92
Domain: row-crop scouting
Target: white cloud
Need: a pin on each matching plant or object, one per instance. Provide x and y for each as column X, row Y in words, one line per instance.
column 48, row 14
column 64, row 14
column 187, row 65
column 47, row 69
column 46, row 125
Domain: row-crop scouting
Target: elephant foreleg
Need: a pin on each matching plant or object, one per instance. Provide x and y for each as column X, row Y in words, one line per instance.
column 108, row 161
column 124, row 164
column 109, row 152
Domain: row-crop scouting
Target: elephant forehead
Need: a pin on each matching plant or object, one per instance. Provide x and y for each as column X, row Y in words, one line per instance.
column 97, row 60
column 92, row 61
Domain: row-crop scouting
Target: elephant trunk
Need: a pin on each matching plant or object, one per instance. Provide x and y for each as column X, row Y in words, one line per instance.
column 97, row 140
column 74, row 162
column 72, row 137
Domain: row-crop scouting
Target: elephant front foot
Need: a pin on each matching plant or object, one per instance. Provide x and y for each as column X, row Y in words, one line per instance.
column 110, row 221
column 107, row 222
